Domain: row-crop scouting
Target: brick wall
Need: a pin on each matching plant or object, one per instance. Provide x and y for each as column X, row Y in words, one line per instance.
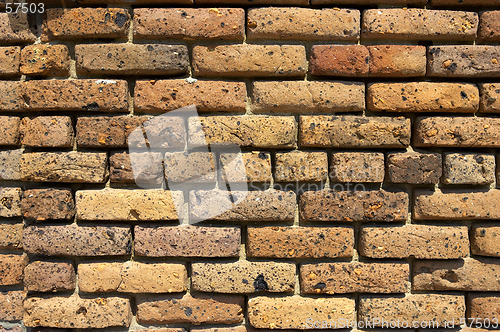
column 370, row 133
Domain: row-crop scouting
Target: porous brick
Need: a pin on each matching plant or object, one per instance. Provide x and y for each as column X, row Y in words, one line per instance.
column 357, row 167
column 10, row 202
column 489, row 27
column 148, row 168
column 104, row 131
column 469, row 168
column 414, row 167
column 191, row 167
column 11, row 236
column 9, row 133
column 397, row 60
column 160, row 132
column 47, row 131
column 10, row 99
column 15, row 28
column 339, row 60
column 48, row 204
column 252, row 166
column 368, row 2
column 484, row 307
column 301, row 166
column 255, row 2
column 490, row 97
column 465, row 3
column 42, row 276
column 12, row 269
column 11, row 303
column 485, row 241
column 10, row 57
column 45, row 60
column 9, row 164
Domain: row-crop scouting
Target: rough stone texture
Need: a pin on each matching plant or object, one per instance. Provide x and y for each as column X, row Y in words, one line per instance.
column 301, row 166
column 303, row 23
column 357, row 167
column 255, row 2
column 12, row 269
column 149, row 164
column 469, row 168
column 419, row 24
column 414, row 307
column 354, row 131
column 339, row 60
column 291, row 312
column 490, row 98
column 104, row 131
column 464, row 3
column 414, row 168
column 397, row 60
column 423, row 97
column 484, row 307
column 40, row 276
column 250, row 60
column 11, row 303
column 11, row 236
column 190, row 167
column 419, row 241
column 189, row 23
column 160, row 132
column 464, row 61
column 252, row 166
column 307, row 97
column 10, row 99
column 10, row 202
column 14, row 28
column 334, row 278
column 9, row 130
column 369, row 2
column 11, row 329
column 166, row 95
column 187, row 241
column 485, row 241
column 456, row 205
column 132, row 277
column 464, row 275
column 372, row 205
column 45, row 60
column 9, row 164
column 75, row 312
column 208, row 309
column 72, row 167
column 10, row 57
column 48, row 204
column 47, row 131
column 73, row 240
column 300, row 242
column 489, row 27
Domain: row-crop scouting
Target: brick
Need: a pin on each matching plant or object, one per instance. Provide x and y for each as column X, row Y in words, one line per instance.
column 190, row 167
column 464, row 2
column 419, row 241
column 11, row 303
column 397, row 60
column 10, row 99
column 300, row 242
column 78, row 23
column 11, row 329
column 9, row 164
column 464, row 61
column 485, row 241
column 419, row 24
column 76, row 312
column 189, row 23
column 308, row 97
column 456, row 206
column 40, row 276
column 10, row 202
column 245, row 131
column 354, row 131
column 150, row 164
column 252, row 166
column 187, row 241
column 303, row 23
column 369, row 2
column 490, row 97
column 489, row 27
column 209, row 309
column 10, row 57
column 71, row 167
column 339, row 60
column 334, row 278
column 160, row 132
column 14, row 28
column 75, row 95
column 255, row 2
column 250, row 60
column 457, row 132
column 301, row 166
column 438, row 309
column 469, row 168
column 357, row 167
column 45, row 60
column 9, row 133
column 414, row 168
column 48, row 204
column 292, row 312
column 465, row 275
column 423, row 97
column 132, row 277
column 268, row 205
column 243, row 277
column 106, row 131
column 167, row 95
column 125, row 204
column 47, row 131
column 484, row 307
column 73, row 240
column 12, row 269
column 221, row 329
column 372, row 205
column 11, row 236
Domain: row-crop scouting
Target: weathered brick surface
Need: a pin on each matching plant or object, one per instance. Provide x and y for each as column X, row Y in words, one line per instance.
column 10, row 57
column 467, row 275
column 369, row 2
column 11, row 303
column 14, row 28
column 419, row 241
column 11, row 236
column 335, row 278
column 188, row 23
column 301, row 166
column 191, row 167
column 397, row 60
column 490, row 97
column 357, row 167
column 45, row 60
column 10, row 99
column 414, row 168
column 41, row 276
column 12, row 269
column 10, row 202
column 464, row 61
column 464, row 3
column 47, row 131
column 252, row 166
column 47, row 204
column 150, row 164
column 469, row 168
column 485, row 307
column 9, row 134
column 489, row 27
column 9, row 164
column 485, row 241
column 104, row 131
column 255, row 2
column 339, row 60
column 372, row 205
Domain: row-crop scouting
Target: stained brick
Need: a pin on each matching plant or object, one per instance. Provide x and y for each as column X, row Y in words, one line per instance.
column 469, row 168
column 41, row 276
column 339, row 60
column 48, row 204
column 490, row 97
column 485, row 307
column 47, row 131
column 357, row 167
column 485, row 241
column 11, row 303
column 301, row 166
column 252, row 166
column 489, row 27
column 10, row 99
column 9, row 164
column 9, row 130
column 11, row 236
column 150, row 164
column 10, row 202
column 14, row 28
column 12, row 269
column 190, row 167
column 45, row 60
column 464, row 61
column 414, row 168
column 104, row 131
column 397, row 60
column 10, row 57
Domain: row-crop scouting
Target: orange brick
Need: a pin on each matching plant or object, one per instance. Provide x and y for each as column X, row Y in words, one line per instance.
column 339, row 60
column 10, row 57
column 397, row 60
column 45, row 60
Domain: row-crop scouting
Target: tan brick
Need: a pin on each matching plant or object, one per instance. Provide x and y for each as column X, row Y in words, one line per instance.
column 72, row 167
column 419, row 308
column 191, row 167
column 11, row 303
column 125, row 204
column 11, row 236
column 489, row 27
column 132, row 277
column 354, row 131
column 40, row 276
column 339, row 60
column 292, row 312
column 187, row 241
column 490, row 97
column 255, row 2
column 10, row 202
column 463, row 2
column 250, row 60
column 357, row 167
column 9, row 130
column 252, row 166
column 456, row 206
column 303, row 23
column 485, row 241
column 469, row 168
column 369, row 2
column 12, row 269
column 423, row 97
column 414, row 168
column 372, row 205
column 161, row 132
column 484, row 307
column 10, row 57
column 47, row 131
column 457, row 132
column 419, row 241
column 189, row 23
column 10, row 99
column 465, row 275
column 45, row 60
column 220, row 329
column 464, row 61
column 308, row 97
column 397, row 60
column 419, row 24
column 9, row 164
column 106, row 131
column 168, row 95
column 76, row 312
column 209, row 309
column 14, row 28
column 48, row 204
column 300, row 242
column 301, row 166
column 150, row 164
column 354, row 277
